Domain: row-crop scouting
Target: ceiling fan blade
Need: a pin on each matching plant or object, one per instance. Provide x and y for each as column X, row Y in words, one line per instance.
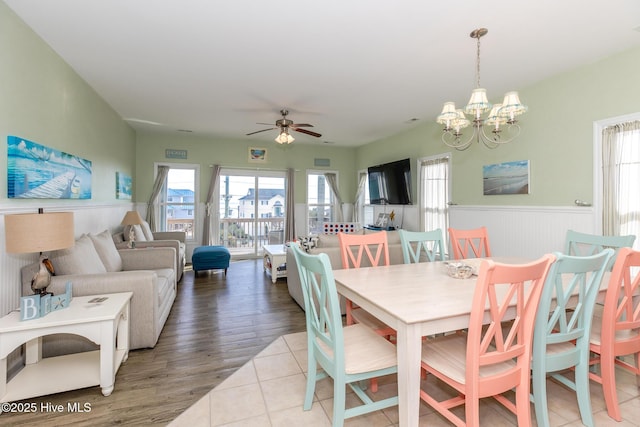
column 308, row 132
column 301, row 125
column 258, row 131
column 268, row 124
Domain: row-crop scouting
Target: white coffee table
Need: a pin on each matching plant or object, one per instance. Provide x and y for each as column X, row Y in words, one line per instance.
column 105, row 323
column 274, row 257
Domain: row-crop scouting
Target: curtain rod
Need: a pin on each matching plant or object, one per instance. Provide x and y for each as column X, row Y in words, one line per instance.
column 254, row 169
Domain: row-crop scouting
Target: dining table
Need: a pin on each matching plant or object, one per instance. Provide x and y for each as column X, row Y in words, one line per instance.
column 416, row 300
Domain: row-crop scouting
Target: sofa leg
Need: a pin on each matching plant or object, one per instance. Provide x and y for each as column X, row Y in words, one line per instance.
column 225, row 272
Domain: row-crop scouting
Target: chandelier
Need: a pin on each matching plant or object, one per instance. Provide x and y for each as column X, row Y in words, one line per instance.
column 499, row 115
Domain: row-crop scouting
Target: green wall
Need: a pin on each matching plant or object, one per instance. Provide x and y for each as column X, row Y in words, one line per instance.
column 42, row 99
column 205, row 151
column 557, row 136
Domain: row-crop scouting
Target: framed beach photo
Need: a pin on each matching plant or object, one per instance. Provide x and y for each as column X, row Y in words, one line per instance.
column 506, row 178
column 257, row 155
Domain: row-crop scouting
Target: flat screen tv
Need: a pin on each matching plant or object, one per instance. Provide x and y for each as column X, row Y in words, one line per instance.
column 390, row 183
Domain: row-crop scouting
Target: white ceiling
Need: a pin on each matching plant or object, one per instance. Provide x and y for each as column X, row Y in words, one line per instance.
column 358, row 70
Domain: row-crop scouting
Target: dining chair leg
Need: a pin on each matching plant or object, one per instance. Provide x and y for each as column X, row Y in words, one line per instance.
column 583, row 393
column 539, row 387
column 348, row 316
column 608, row 371
column 339, row 397
column 523, row 407
column 312, row 368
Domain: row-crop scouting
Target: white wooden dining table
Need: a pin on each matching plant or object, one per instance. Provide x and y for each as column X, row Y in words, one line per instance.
column 416, row 300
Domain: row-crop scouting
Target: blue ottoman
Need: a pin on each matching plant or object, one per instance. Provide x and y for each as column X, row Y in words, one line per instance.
column 210, row 257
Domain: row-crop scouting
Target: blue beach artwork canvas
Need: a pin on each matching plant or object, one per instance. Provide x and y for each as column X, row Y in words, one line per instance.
column 506, row 178
column 35, row 171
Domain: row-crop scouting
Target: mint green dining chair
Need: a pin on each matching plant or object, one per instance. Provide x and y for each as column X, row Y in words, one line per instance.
column 347, row 354
column 562, row 329
column 420, row 246
column 581, row 244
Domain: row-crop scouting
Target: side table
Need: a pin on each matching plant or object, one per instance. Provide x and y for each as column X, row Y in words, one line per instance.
column 275, row 257
column 106, row 323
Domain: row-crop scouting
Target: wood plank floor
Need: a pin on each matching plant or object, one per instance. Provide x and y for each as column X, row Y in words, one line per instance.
column 216, row 325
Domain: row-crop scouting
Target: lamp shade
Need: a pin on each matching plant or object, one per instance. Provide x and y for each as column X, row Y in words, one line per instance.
column 511, row 105
column 132, row 218
column 477, row 102
column 38, row 232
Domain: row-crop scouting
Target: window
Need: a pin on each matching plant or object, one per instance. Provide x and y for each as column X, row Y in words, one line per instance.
column 248, row 216
column 434, row 189
column 617, row 174
column 319, row 202
column 177, row 200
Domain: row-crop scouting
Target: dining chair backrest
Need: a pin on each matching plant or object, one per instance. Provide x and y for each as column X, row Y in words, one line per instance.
column 497, row 287
column 469, row 243
column 420, row 246
column 364, row 250
column 322, row 308
column 563, row 326
column 581, row 244
column 507, row 336
column 619, row 328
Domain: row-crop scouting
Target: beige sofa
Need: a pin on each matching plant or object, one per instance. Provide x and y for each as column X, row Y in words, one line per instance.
column 330, row 245
column 94, row 267
column 145, row 238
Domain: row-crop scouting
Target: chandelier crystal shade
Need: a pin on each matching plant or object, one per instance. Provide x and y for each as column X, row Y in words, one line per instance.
column 487, row 129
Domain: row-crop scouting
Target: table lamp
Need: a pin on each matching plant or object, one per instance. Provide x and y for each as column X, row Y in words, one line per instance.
column 39, row 232
column 132, row 218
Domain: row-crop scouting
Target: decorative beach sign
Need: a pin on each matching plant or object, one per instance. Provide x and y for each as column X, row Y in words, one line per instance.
column 38, row 172
column 506, row 178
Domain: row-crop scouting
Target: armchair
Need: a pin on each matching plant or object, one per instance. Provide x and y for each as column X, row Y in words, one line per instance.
column 145, row 238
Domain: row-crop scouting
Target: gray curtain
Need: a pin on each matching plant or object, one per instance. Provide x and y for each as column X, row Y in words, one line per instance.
column 161, row 177
column 357, row 205
column 207, row 236
column 619, row 178
column 290, row 225
column 332, row 180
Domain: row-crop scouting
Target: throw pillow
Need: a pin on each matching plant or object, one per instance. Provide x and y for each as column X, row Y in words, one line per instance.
column 308, row 243
column 146, row 230
column 82, row 258
column 107, row 250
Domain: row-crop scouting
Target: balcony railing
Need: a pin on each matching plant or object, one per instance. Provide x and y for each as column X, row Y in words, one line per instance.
column 246, row 236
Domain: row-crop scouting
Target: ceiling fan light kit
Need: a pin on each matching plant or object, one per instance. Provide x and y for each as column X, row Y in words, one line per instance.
column 283, row 125
column 499, row 115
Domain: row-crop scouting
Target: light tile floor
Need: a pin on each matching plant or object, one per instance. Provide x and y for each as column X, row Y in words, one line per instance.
column 269, row 390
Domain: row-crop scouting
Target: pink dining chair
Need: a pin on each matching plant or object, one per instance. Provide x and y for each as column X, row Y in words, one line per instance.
column 469, row 243
column 492, row 358
column 364, row 250
column 617, row 332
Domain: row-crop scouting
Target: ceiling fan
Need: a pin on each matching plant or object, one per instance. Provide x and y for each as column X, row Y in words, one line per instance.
column 284, row 125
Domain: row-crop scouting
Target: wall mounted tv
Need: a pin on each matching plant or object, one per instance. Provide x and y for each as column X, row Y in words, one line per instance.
column 390, row 183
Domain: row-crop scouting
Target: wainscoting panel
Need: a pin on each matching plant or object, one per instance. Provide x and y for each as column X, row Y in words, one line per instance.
column 526, row 231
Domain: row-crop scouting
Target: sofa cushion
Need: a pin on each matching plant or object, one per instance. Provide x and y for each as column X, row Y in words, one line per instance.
column 327, row 241
column 107, row 250
column 82, row 258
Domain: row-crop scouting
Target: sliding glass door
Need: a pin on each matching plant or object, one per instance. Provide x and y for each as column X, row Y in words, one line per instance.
column 251, row 207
